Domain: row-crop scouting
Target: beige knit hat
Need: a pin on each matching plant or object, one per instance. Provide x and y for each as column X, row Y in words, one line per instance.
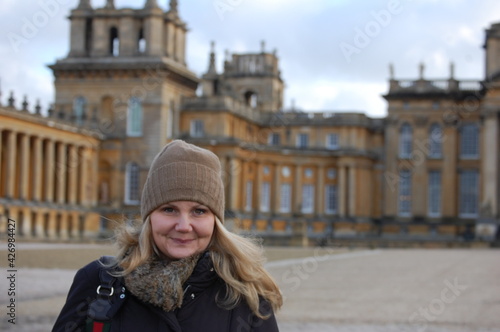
column 184, row 172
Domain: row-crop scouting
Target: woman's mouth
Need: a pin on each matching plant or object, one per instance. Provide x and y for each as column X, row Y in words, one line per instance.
column 182, row 241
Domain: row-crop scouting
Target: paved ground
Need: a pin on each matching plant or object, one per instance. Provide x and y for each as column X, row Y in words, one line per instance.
column 346, row 291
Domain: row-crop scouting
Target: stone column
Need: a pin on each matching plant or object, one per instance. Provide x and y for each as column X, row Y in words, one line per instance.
column 38, row 224
column 489, row 167
column 63, row 226
column 153, row 32
column 100, row 40
column 419, row 190
column 449, row 172
column 129, row 37
column 37, row 170
column 2, row 174
column 26, row 215
column 92, row 184
column 258, row 187
column 73, row 175
column 170, row 39
column 51, row 224
column 49, row 171
column 61, row 174
column 276, row 190
column 320, row 191
column 352, row 191
column 11, row 165
column 25, row 168
column 235, row 184
column 84, row 175
column 390, row 176
column 297, row 190
column 342, row 188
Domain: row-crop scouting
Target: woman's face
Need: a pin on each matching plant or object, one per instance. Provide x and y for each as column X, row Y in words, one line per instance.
column 181, row 229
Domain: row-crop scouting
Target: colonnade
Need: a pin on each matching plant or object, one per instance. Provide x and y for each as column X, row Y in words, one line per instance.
column 46, row 182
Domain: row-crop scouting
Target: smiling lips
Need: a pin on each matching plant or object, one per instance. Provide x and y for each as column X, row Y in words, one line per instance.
column 182, row 241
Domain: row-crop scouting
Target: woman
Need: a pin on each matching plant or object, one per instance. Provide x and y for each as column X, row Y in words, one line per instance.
column 179, row 269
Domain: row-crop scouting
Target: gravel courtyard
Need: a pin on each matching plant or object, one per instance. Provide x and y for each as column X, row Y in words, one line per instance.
column 325, row 289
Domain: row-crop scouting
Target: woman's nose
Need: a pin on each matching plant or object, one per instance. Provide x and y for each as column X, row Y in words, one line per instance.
column 183, row 224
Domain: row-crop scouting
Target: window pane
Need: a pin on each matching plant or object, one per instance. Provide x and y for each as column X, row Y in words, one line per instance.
column 435, row 140
column 79, row 106
column 307, row 198
column 248, row 204
column 469, row 141
column 434, row 194
column 134, row 124
column 469, row 193
column 302, row 140
column 404, row 193
column 405, row 141
column 286, row 198
column 331, row 199
column 132, row 184
column 197, row 128
column 332, row 141
column 265, row 198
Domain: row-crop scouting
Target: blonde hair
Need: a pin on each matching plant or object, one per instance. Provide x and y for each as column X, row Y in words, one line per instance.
column 237, row 260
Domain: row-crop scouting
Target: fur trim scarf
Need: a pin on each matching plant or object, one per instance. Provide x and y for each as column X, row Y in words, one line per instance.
column 159, row 282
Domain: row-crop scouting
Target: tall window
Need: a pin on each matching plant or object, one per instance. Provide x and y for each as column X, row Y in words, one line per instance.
column 404, row 193
column 274, row 139
column 302, row 140
column 434, row 194
column 469, row 141
column 79, row 110
column 248, row 200
column 286, row 198
column 405, row 141
column 331, row 200
column 265, row 197
column 134, row 118
column 332, row 141
column 197, row 128
column 114, row 42
column 141, row 42
column 469, row 190
column 132, row 184
column 307, row 198
column 435, row 141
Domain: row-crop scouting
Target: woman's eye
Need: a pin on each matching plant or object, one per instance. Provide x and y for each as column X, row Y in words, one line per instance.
column 168, row 209
column 200, row 211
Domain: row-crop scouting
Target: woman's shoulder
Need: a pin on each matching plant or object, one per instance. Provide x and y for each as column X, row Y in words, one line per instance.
column 93, row 270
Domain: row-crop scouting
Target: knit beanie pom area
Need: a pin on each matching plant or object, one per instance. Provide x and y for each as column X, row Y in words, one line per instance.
column 184, row 172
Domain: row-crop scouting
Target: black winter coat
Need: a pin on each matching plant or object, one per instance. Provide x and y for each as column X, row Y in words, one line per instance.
column 199, row 311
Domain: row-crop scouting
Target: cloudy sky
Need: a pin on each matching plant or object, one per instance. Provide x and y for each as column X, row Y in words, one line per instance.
column 334, row 54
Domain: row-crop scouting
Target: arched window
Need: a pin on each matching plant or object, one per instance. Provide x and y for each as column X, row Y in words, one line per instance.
column 435, row 141
column 79, row 110
column 251, row 99
column 141, row 42
column 114, row 42
column 132, row 184
column 469, row 141
column 405, row 141
column 134, row 117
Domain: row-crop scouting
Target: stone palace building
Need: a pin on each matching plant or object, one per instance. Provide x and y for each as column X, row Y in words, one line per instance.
column 428, row 171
